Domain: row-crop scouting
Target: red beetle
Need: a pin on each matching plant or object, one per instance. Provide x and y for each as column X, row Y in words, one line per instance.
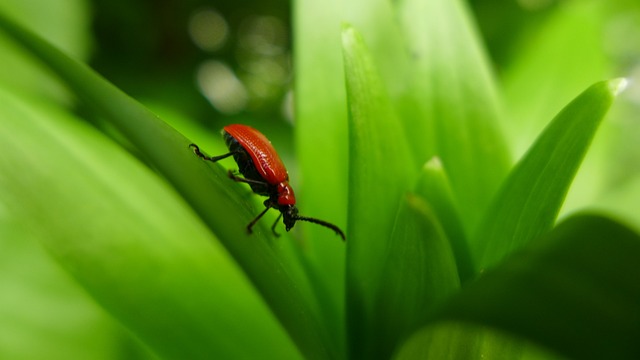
column 263, row 170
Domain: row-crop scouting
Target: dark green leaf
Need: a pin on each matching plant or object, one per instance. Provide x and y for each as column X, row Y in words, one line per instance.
column 576, row 291
column 454, row 341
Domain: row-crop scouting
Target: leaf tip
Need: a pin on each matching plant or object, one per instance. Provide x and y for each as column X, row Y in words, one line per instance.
column 618, row 85
column 433, row 164
column 349, row 33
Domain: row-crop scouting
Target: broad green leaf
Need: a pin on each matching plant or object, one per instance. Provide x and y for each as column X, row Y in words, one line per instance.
column 322, row 147
column 381, row 170
column 418, row 275
column 457, row 109
column 43, row 313
column 434, row 186
column 528, row 202
column 576, row 291
column 66, row 24
column 272, row 266
column 129, row 240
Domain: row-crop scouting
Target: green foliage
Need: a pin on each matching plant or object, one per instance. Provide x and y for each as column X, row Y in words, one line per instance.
column 451, row 251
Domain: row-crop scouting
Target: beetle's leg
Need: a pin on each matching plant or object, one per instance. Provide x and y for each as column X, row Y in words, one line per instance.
column 237, row 178
column 273, row 227
column 196, row 150
column 254, row 221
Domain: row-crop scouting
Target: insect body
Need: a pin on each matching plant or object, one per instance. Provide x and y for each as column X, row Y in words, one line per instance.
column 265, row 173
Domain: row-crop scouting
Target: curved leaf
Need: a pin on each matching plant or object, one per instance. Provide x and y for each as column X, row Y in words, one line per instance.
column 322, row 147
column 453, row 341
column 272, row 266
column 419, row 273
column 575, row 291
column 457, row 106
column 158, row 272
column 377, row 172
column 433, row 185
column 530, row 199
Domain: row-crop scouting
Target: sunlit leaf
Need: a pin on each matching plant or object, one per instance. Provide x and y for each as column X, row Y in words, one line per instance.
column 419, row 273
column 433, row 185
column 378, row 173
column 530, row 199
column 322, row 147
column 573, row 29
column 272, row 267
column 160, row 273
column 69, row 29
column 456, row 102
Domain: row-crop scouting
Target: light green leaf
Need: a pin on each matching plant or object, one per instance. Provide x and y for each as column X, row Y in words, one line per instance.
column 433, row 185
column 551, row 63
column 530, row 199
column 457, row 109
column 271, row 266
column 419, row 273
column 43, row 313
column 322, row 148
column 376, row 21
column 379, row 175
column 575, row 291
column 129, row 240
column 67, row 24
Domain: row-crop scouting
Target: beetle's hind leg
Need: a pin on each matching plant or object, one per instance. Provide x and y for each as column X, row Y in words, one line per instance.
column 232, row 175
column 196, row 150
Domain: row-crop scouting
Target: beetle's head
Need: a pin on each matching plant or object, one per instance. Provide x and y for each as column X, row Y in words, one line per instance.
column 289, row 216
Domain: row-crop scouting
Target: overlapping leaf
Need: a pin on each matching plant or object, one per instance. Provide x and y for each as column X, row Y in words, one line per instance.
column 530, row 199
column 271, row 267
column 575, row 291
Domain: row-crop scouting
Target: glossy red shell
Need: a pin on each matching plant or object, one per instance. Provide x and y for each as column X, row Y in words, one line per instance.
column 265, row 158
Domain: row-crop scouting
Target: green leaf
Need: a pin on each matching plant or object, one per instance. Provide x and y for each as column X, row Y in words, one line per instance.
column 575, row 291
column 452, row 341
column 68, row 29
column 322, row 148
column 530, row 199
column 553, row 62
column 457, row 109
column 418, row 275
column 273, row 267
column 129, row 240
column 379, row 175
column 433, row 185
column 43, row 311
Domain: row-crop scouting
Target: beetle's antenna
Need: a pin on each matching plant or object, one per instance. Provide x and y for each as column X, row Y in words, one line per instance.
column 323, row 223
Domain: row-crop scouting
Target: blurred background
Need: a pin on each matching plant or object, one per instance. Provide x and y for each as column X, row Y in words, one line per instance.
column 202, row 64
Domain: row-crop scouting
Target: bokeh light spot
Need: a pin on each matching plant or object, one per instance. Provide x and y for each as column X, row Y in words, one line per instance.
column 208, row 29
column 220, row 85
